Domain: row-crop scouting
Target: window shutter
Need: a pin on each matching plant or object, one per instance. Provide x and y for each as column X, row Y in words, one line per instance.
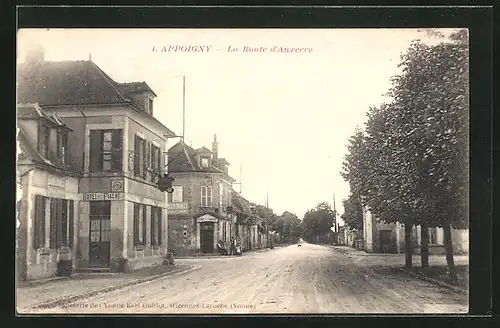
column 137, row 158
column 71, row 220
column 64, row 223
column 159, row 219
column 39, row 235
column 116, row 152
column 158, row 158
column 146, row 159
column 144, row 224
column 136, row 224
column 153, row 226
column 53, row 224
column 95, row 150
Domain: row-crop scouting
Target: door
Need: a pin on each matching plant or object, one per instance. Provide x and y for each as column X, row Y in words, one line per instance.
column 207, row 237
column 100, row 226
column 385, row 241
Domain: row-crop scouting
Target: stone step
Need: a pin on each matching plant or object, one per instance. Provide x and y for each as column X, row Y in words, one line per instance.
column 93, row 270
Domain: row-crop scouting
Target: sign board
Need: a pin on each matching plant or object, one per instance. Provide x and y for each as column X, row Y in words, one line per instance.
column 177, row 206
column 90, row 196
column 57, row 182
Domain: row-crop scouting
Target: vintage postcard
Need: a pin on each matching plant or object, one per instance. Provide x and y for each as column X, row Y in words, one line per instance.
column 242, row 171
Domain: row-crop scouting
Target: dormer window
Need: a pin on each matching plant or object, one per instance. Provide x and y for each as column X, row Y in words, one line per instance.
column 62, row 146
column 204, row 161
column 43, row 140
column 150, row 106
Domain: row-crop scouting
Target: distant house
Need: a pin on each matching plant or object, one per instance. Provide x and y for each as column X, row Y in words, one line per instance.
column 380, row 237
column 92, row 152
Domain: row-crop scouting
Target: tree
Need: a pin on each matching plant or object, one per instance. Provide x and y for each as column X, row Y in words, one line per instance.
column 317, row 222
column 432, row 94
column 353, row 212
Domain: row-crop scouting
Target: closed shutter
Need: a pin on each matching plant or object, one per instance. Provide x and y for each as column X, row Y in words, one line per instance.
column 153, row 226
column 144, row 225
column 39, row 235
column 159, row 221
column 136, row 224
column 71, row 220
column 53, row 223
column 63, row 229
column 146, row 158
column 116, row 150
column 137, row 155
column 159, row 159
column 95, row 150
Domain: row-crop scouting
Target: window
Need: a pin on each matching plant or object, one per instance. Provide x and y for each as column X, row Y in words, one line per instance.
column 177, row 194
column 432, row 236
column 139, row 224
column 156, row 226
column 155, row 162
column 62, row 146
column 100, row 221
column 206, row 196
column 204, row 161
column 39, row 224
column 106, row 150
column 221, row 194
column 150, row 106
column 43, row 140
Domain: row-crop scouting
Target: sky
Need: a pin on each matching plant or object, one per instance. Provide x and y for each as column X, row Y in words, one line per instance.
column 282, row 119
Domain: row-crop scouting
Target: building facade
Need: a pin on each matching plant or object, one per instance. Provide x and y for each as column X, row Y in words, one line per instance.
column 200, row 206
column 113, row 152
column 381, row 237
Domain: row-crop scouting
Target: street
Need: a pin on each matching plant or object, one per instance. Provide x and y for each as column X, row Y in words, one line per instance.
column 307, row 279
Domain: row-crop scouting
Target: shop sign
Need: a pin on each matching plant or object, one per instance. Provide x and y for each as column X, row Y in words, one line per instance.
column 89, row 196
column 57, row 182
column 177, row 207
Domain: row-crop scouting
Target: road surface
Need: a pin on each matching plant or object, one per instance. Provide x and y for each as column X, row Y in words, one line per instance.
column 307, row 279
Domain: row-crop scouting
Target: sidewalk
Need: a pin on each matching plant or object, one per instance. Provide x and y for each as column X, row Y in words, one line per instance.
column 394, row 264
column 83, row 285
column 216, row 255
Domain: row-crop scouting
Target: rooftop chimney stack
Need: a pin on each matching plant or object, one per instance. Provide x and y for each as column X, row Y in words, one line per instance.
column 215, row 150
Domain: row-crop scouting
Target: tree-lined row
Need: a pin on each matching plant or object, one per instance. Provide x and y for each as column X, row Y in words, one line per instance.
column 410, row 164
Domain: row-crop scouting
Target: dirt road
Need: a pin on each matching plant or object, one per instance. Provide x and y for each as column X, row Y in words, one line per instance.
column 307, row 279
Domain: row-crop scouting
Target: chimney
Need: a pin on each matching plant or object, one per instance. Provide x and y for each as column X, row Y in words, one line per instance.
column 35, row 55
column 215, row 150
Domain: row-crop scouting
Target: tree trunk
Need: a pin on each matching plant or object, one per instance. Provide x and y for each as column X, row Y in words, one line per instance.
column 408, row 247
column 424, row 244
column 448, row 245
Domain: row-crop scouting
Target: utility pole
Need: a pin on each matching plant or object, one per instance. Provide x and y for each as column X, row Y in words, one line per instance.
column 183, row 107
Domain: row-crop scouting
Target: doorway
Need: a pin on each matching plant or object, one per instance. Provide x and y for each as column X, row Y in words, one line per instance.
column 100, row 226
column 385, row 241
column 207, row 237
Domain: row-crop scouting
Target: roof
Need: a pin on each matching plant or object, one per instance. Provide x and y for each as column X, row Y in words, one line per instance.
column 34, row 111
column 133, row 87
column 81, row 82
column 182, row 158
column 223, row 161
column 203, row 149
column 240, row 204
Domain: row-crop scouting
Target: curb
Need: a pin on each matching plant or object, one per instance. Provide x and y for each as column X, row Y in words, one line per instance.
column 71, row 299
column 435, row 281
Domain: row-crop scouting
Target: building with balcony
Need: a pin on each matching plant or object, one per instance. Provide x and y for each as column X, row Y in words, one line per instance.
column 200, row 207
column 102, row 142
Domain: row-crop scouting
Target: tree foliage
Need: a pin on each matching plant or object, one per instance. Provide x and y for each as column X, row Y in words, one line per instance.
column 317, row 222
column 353, row 212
